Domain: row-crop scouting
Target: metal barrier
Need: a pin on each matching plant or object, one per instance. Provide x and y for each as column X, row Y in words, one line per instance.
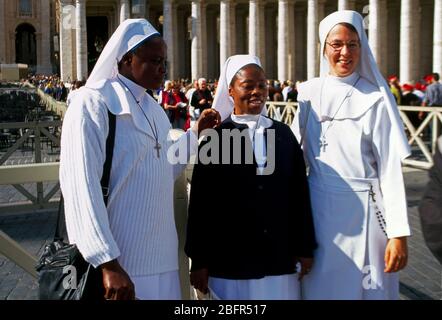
column 422, row 139
column 429, row 128
column 282, row 111
column 50, row 103
column 16, row 175
column 30, row 136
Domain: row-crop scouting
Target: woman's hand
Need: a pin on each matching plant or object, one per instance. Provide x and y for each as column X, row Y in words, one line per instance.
column 170, row 107
column 306, row 266
column 199, row 279
column 396, row 254
column 116, row 282
column 209, row 118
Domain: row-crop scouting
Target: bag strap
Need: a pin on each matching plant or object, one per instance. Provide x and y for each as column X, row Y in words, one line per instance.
column 60, row 229
column 110, row 141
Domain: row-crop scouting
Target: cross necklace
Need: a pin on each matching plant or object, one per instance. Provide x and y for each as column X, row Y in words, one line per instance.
column 154, row 131
column 323, row 140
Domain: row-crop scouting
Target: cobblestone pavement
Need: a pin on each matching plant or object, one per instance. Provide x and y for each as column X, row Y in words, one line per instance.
column 421, row 280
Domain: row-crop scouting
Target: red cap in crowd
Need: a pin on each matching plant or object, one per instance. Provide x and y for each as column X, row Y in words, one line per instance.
column 420, row 86
column 407, row 87
column 428, row 78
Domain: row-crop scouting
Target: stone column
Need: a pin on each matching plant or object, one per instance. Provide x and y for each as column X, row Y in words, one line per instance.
column 3, row 33
column 383, row 20
column 256, row 30
column 437, row 37
column 253, row 27
column 292, row 41
column 312, row 39
column 169, row 32
column 300, row 28
column 196, row 48
column 227, row 30
column 343, row 5
column 124, row 10
column 374, row 30
column 139, row 11
column 283, row 39
column 67, row 26
column 44, row 60
column 408, row 56
column 81, row 39
column 205, row 38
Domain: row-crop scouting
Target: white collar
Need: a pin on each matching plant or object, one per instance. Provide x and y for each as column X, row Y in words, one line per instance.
column 252, row 120
column 331, row 103
column 137, row 90
column 348, row 80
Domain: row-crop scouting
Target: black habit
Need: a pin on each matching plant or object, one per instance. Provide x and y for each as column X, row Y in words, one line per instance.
column 247, row 226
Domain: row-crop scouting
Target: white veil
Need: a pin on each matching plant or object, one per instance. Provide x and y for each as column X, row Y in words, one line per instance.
column 222, row 102
column 129, row 34
column 369, row 70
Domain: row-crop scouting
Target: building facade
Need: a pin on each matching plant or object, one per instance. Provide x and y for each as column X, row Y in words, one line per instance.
column 405, row 35
column 26, row 34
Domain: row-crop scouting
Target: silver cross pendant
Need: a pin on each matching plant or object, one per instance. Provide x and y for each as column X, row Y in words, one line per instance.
column 158, row 148
column 323, row 144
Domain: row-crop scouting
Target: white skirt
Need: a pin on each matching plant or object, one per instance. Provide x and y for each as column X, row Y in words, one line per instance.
column 284, row 287
column 349, row 260
column 163, row 286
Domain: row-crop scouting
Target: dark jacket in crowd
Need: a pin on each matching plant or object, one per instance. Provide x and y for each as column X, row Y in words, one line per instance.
column 199, row 95
column 247, row 226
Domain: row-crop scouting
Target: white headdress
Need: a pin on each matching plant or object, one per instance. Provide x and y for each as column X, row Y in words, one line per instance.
column 368, row 69
column 222, row 102
column 129, row 34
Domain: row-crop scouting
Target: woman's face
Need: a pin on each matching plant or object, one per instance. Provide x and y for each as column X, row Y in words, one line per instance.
column 249, row 90
column 176, row 87
column 342, row 50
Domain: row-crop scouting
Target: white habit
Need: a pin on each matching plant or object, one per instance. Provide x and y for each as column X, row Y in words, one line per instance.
column 137, row 227
column 353, row 147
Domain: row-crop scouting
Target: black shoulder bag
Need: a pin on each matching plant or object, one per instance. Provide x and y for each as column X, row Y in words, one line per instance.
column 63, row 274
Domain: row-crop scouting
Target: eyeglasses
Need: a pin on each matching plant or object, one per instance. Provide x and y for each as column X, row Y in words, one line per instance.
column 338, row 46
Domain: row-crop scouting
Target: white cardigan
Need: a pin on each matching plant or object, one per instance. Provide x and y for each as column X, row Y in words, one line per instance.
column 138, row 226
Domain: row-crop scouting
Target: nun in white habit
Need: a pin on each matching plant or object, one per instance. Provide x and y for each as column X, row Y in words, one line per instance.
column 354, row 141
column 245, row 242
column 133, row 240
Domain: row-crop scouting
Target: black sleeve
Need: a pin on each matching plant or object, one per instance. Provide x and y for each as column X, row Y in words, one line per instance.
column 194, row 102
column 306, row 240
column 430, row 209
column 198, row 223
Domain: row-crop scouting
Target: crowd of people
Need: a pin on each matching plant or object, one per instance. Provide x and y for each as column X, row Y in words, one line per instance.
column 183, row 100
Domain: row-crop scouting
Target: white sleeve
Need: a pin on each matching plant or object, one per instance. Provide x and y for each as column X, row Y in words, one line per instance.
column 299, row 122
column 83, row 143
column 187, row 146
column 390, row 175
